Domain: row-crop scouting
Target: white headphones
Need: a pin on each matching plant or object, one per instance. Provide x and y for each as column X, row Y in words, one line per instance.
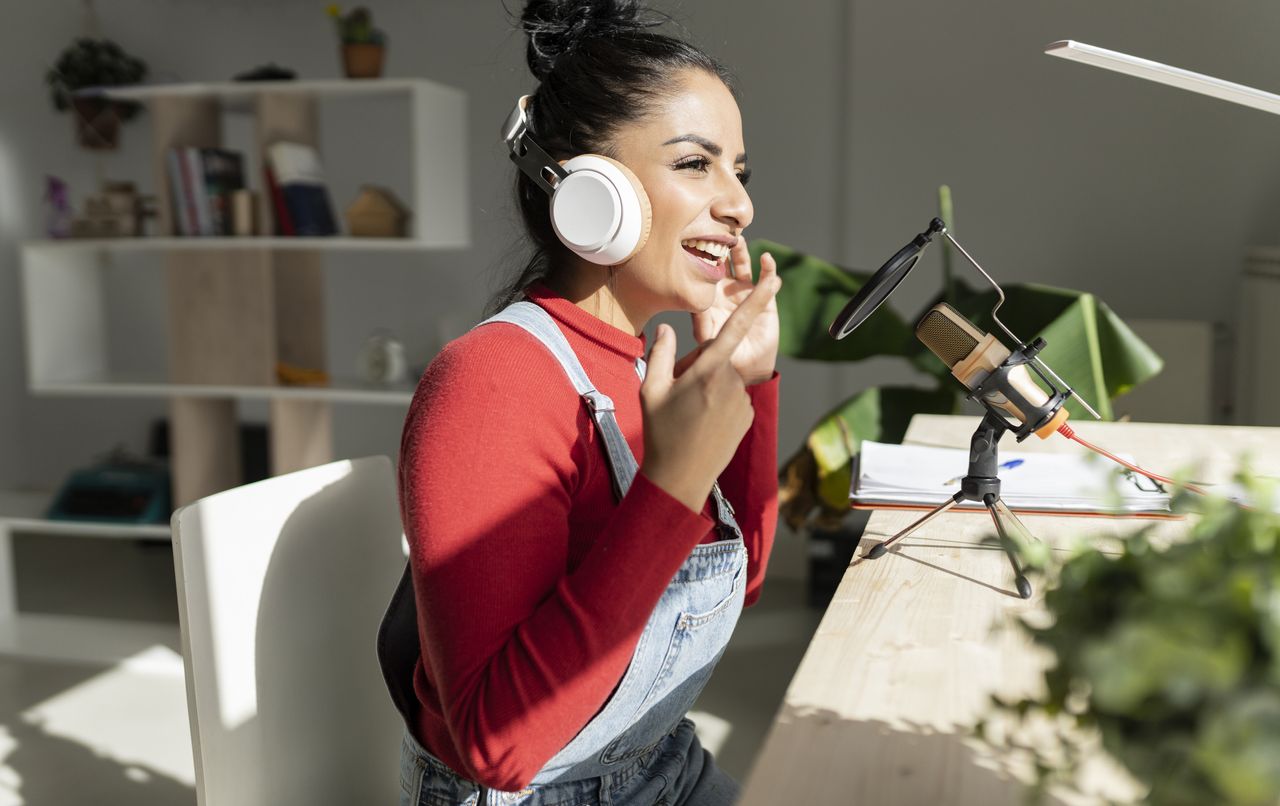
column 598, row 207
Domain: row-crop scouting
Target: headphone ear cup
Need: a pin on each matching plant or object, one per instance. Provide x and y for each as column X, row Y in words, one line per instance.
column 646, row 209
column 600, row 210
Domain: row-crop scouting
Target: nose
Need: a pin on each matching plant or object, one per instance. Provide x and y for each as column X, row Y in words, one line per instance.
column 732, row 204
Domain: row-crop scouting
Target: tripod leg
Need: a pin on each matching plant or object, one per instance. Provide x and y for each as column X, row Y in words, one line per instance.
column 998, row 512
column 880, row 548
column 1016, row 523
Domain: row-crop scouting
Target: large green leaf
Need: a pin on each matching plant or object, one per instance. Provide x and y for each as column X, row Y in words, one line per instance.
column 880, row 414
column 813, row 292
column 1089, row 346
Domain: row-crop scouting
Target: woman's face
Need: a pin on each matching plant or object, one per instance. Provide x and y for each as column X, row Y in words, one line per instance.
column 689, row 155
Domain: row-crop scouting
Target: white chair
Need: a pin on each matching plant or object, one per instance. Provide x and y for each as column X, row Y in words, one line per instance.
column 281, row 587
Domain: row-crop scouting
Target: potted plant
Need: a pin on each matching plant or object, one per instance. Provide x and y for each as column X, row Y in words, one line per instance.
column 94, row 63
column 1088, row 345
column 1170, row 656
column 363, row 46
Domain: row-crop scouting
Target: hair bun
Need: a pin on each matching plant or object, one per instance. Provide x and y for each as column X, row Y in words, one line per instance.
column 557, row 27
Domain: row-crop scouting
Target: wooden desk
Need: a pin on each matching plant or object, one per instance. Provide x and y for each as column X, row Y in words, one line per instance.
column 913, row 644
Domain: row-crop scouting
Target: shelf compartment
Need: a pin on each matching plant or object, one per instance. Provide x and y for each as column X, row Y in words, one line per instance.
column 68, row 344
column 436, row 162
column 340, row 391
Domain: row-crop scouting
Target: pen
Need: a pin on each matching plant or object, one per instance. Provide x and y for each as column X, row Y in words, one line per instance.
column 1009, row 465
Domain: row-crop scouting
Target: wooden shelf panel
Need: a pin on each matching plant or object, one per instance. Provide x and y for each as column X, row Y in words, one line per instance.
column 233, row 94
column 218, row 243
column 24, row 512
column 122, row 385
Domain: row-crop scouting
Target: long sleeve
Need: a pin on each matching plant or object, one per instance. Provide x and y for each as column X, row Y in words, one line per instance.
column 750, row 481
column 524, row 634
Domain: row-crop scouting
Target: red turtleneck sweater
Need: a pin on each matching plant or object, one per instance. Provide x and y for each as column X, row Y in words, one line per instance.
column 533, row 583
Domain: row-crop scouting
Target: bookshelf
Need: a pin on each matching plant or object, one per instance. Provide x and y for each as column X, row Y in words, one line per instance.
column 238, row 305
column 436, row 160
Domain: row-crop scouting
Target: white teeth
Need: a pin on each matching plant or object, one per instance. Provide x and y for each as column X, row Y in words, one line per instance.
column 719, row 250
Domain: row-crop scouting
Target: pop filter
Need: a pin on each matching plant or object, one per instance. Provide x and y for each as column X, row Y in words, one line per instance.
column 872, row 295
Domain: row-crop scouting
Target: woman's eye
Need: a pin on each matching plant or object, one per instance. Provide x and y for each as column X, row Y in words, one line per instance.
column 702, row 165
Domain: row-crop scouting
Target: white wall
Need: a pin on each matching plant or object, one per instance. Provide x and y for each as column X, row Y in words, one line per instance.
column 1063, row 173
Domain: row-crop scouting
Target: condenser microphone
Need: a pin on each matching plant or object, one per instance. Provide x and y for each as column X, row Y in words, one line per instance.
column 975, row 357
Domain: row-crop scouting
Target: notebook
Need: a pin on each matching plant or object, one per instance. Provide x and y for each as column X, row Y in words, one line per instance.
column 921, row 477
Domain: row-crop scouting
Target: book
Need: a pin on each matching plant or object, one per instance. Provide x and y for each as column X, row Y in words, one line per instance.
column 177, row 193
column 300, row 179
column 188, row 191
column 223, row 172
column 193, row 172
column 280, row 213
column 915, row 476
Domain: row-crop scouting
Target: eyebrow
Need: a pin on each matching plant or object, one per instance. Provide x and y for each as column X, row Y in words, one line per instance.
column 709, row 146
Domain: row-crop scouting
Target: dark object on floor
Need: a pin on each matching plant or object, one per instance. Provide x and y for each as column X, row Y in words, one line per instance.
column 267, row 72
column 830, row 553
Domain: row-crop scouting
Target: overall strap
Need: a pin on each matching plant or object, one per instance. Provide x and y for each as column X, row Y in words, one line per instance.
column 622, row 463
column 531, row 317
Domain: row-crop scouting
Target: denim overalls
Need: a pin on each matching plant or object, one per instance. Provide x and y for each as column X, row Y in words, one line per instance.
column 639, row 749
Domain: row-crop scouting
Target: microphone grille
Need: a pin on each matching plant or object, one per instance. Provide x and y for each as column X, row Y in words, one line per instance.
column 944, row 336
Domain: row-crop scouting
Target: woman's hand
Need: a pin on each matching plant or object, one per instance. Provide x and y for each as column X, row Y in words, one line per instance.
column 757, row 353
column 696, row 414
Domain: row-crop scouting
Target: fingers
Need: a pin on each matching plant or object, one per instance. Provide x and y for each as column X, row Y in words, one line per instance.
column 739, row 322
column 704, row 327
column 659, row 371
column 768, row 266
column 740, row 261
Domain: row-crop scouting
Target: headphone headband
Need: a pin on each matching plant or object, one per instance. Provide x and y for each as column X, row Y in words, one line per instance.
column 528, row 155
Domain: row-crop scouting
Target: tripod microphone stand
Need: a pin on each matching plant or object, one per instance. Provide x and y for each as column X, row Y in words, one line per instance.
column 995, row 376
column 981, row 484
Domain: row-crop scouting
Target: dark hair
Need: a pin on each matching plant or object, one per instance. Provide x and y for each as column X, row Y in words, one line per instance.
column 600, row 66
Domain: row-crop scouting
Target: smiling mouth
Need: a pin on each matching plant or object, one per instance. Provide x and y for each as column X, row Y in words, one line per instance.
column 709, row 252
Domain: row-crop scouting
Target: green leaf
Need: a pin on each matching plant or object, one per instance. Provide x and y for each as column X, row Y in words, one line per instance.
column 1089, row 346
column 1239, row 748
column 880, row 414
column 813, row 293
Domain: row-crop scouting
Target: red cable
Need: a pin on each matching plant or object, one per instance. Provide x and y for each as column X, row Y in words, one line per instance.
column 1068, row 432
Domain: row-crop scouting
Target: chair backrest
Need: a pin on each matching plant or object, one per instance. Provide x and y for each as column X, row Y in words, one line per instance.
column 281, row 587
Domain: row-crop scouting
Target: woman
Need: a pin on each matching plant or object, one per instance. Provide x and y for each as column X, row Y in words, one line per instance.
column 570, row 607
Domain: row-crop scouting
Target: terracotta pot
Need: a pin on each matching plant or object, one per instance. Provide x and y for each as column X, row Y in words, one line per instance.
column 362, row 60
column 97, row 123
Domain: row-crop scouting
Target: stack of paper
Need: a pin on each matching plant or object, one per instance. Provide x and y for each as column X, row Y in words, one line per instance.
column 911, row 475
